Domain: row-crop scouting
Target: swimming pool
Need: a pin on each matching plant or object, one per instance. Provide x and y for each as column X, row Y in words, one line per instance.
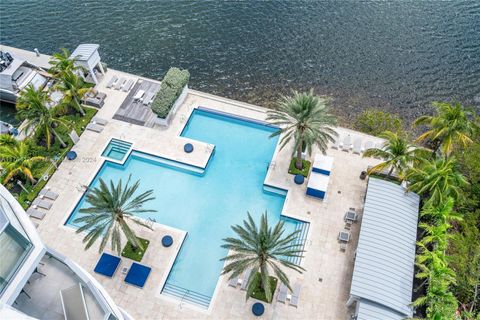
column 206, row 204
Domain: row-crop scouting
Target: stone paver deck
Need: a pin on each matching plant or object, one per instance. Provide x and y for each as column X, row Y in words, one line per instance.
column 325, row 284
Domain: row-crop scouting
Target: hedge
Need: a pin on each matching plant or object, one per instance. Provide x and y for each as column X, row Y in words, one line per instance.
column 170, row 89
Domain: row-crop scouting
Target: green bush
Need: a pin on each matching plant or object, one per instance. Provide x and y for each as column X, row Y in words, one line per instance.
column 375, row 122
column 304, row 172
column 170, row 89
column 258, row 292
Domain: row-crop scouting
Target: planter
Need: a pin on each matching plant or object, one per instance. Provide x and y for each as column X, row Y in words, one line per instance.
column 181, row 98
column 363, row 175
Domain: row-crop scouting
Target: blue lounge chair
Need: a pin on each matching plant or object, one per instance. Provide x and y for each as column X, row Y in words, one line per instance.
column 137, row 275
column 107, row 265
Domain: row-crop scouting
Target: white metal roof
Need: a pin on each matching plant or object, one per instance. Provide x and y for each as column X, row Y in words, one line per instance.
column 368, row 310
column 384, row 262
column 84, row 51
column 323, row 162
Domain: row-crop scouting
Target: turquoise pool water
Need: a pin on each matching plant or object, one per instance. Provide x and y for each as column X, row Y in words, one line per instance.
column 206, row 204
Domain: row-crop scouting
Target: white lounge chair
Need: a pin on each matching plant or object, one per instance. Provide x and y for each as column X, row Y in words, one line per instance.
column 246, row 276
column 99, row 121
column 368, row 145
column 282, row 293
column 139, row 95
column 336, row 143
column 73, row 303
column 48, row 194
column 317, row 185
column 295, row 295
column 33, row 212
column 95, row 127
column 74, row 136
column 119, row 84
column 322, row 164
column 347, row 143
column 233, row 282
column 44, row 204
column 357, row 146
column 112, row 82
column 127, row 85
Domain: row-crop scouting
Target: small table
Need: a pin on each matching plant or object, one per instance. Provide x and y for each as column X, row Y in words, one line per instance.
column 71, row 155
column 258, row 309
column 188, row 147
column 350, row 216
column 344, row 236
column 299, row 179
column 167, row 241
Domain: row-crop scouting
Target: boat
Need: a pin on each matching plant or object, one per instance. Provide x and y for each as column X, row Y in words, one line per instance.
column 16, row 74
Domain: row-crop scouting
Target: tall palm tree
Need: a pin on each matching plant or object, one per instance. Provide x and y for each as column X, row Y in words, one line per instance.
column 111, row 207
column 451, row 126
column 261, row 248
column 32, row 106
column 306, row 118
column 61, row 63
column 73, row 88
column 16, row 160
column 397, row 153
column 437, row 178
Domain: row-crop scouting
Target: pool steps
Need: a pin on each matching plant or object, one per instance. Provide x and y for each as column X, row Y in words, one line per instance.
column 195, row 298
column 301, row 240
column 117, row 145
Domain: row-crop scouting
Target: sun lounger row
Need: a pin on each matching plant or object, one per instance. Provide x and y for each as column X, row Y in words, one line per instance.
column 356, row 146
column 137, row 274
column 320, row 176
column 120, row 84
column 97, row 124
column 293, row 298
column 43, row 201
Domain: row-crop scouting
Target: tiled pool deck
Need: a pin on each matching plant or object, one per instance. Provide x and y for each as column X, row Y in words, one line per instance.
column 325, row 284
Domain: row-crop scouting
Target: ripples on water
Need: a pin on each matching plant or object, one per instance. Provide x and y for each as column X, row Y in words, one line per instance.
column 396, row 55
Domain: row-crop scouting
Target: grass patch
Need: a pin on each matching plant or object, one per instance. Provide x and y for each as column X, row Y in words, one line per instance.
column 136, row 255
column 56, row 153
column 258, row 292
column 304, row 172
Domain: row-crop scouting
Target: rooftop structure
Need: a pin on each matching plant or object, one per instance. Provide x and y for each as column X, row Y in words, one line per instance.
column 87, row 56
column 384, row 264
column 33, row 275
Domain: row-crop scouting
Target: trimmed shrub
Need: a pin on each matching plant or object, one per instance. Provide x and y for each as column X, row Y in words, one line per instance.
column 375, row 122
column 170, row 89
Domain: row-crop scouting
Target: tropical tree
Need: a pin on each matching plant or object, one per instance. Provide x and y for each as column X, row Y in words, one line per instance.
column 438, row 179
column 450, row 127
column 305, row 118
column 16, row 160
column 397, row 153
column 261, row 249
column 32, row 106
column 73, row 88
column 111, row 208
column 62, row 63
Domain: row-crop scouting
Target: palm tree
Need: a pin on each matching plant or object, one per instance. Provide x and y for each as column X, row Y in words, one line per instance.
column 61, row 63
column 306, row 118
column 16, row 160
column 73, row 88
column 450, row 126
column 398, row 154
column 111, row 207
column 437, row 178
column 261, row 248
column 32, row 106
